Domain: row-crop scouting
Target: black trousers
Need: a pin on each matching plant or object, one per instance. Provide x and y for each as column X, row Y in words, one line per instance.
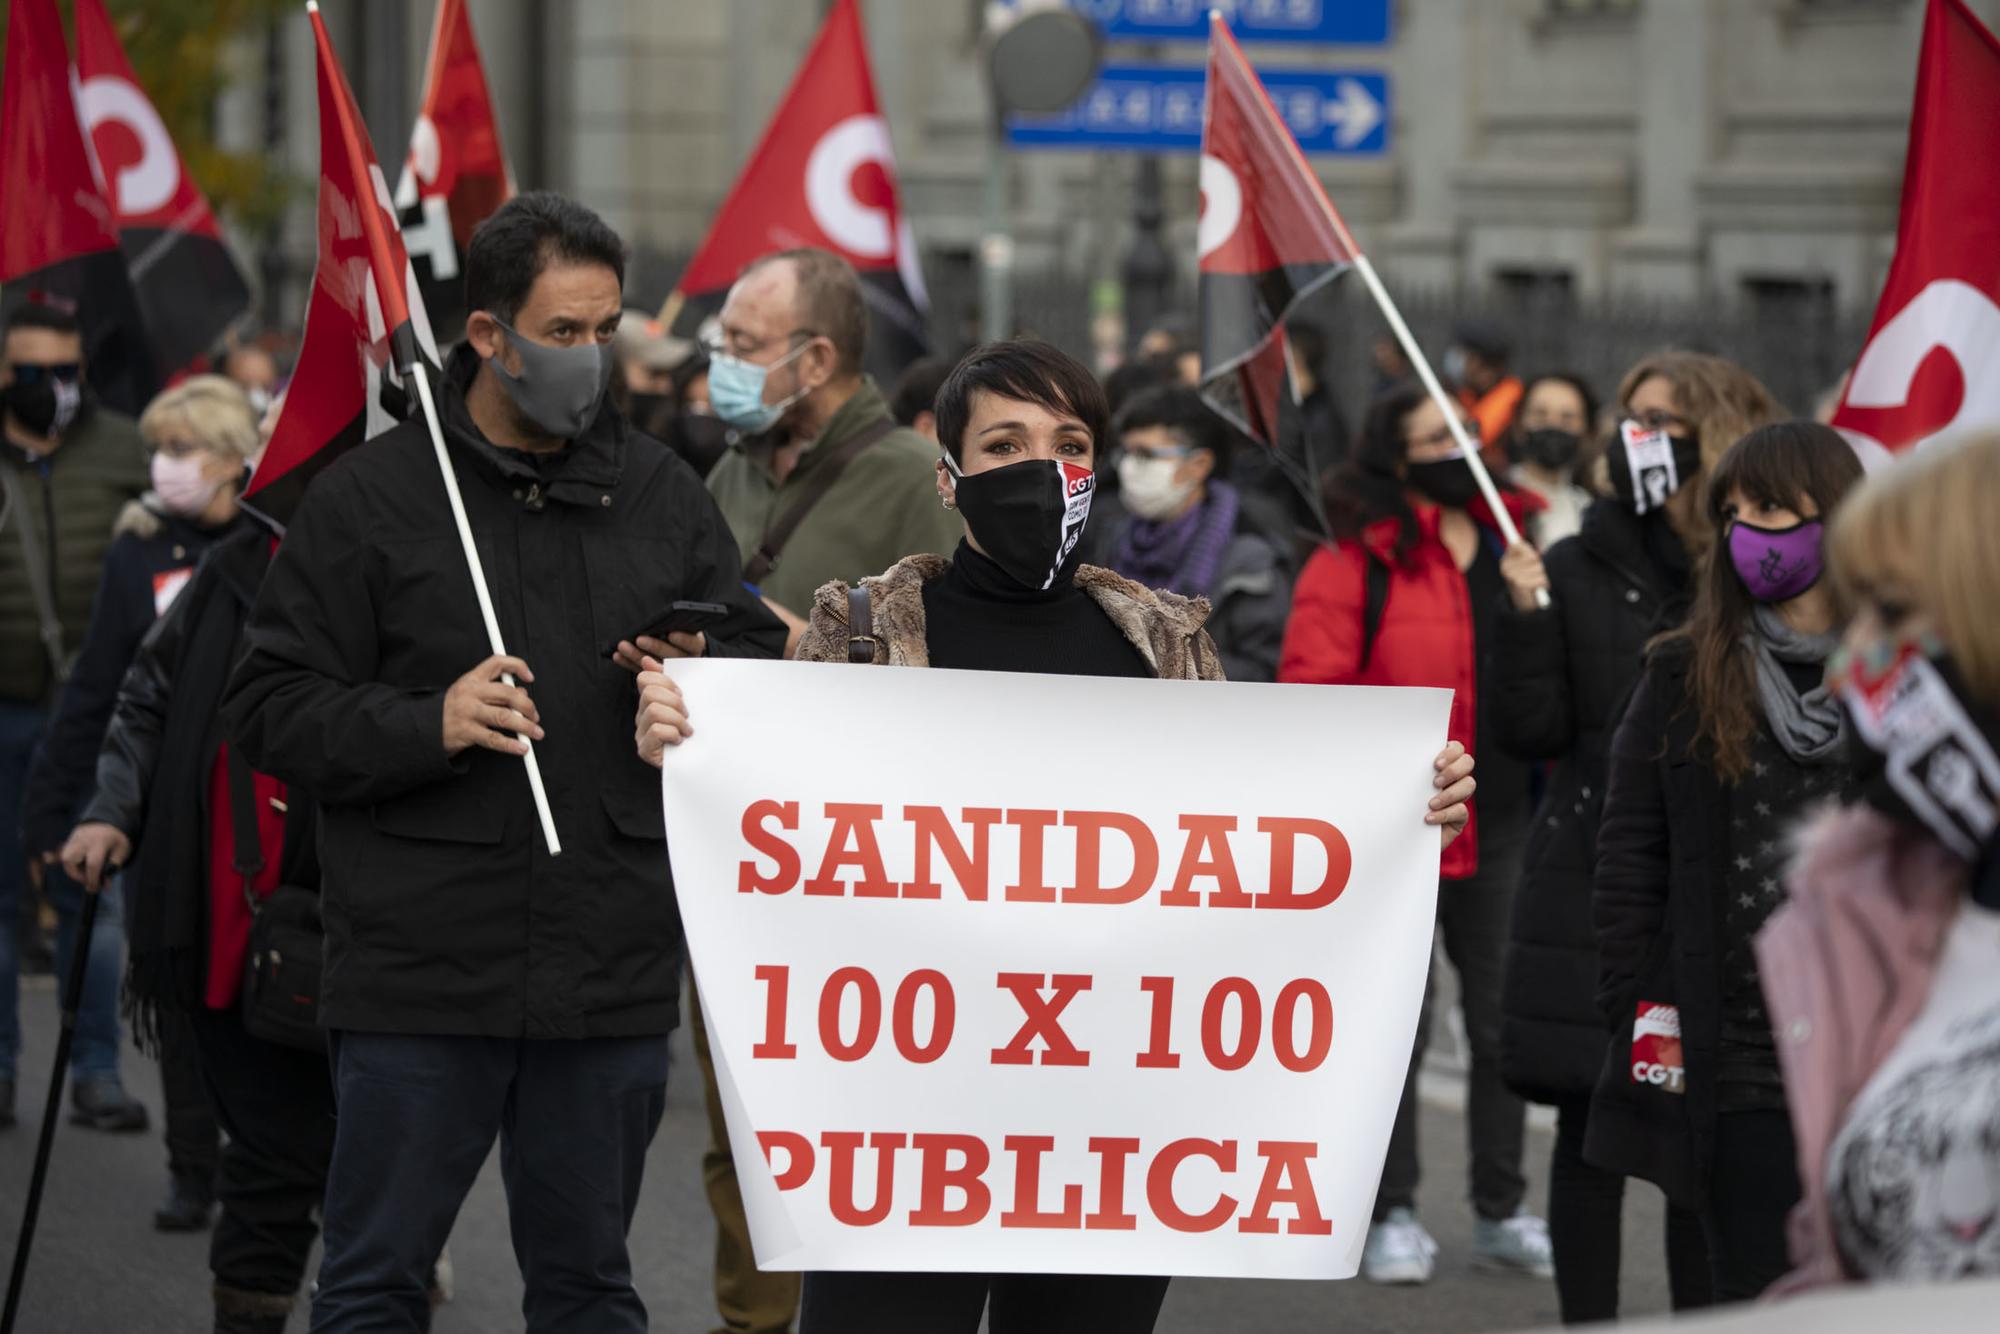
column 1475, row 918
column 418, row 1115
column 194, row 1141
column 277, row 1105
column 1586, row 1229
column 861, row 1303
column 1751, row 1193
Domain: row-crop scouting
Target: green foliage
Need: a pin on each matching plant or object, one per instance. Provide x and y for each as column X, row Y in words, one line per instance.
column 181, row 52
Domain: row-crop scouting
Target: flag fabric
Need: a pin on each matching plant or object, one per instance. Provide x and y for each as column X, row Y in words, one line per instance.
column 365, row 321
column 189, row 286
column 1931, row 365
column 1268, row 237
column 456, row 173
column 58, row 236
column 823, row 175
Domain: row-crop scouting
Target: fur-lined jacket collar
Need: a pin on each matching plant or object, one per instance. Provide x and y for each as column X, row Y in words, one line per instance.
column 1165, row 628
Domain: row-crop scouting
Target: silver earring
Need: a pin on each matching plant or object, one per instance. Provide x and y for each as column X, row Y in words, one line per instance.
column 947, row 503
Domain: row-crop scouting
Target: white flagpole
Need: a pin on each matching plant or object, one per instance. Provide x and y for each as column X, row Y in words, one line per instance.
column 541, row 795
column 1453, row 415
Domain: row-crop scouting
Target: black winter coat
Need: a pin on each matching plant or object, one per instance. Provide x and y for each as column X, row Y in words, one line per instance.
column 125, row 608
column 152, row 778
column 444, row 912
column 1658, row 918
column 1562, row 676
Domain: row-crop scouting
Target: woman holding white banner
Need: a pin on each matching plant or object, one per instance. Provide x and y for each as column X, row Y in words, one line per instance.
column 1020, row 424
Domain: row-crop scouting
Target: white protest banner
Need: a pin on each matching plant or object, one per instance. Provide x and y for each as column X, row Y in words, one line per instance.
column 1012, row 973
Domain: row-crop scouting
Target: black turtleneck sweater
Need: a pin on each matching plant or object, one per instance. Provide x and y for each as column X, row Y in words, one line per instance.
column 976, row 616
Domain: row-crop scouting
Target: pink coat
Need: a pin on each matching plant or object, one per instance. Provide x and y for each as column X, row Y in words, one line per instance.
column 1847, row 964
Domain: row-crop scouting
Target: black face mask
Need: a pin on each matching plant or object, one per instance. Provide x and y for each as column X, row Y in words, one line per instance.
column 45, row 399
column 1449, row 482
column 1028, row 517
column 1921, row 750
column 1549, row 447
column 1648, row 466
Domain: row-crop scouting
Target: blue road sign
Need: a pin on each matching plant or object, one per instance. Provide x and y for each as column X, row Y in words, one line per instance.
column 1157, row 109
column 1333, row 22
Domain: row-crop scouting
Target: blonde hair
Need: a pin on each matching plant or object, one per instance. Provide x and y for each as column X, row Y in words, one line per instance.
column 1721, row 400
column 212, row 409
column 1924, row 523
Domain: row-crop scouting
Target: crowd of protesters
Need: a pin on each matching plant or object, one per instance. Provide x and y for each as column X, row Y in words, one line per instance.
column 1719, row 901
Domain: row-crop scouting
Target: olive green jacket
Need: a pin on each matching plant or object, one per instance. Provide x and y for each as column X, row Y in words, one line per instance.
column 883, row 508
column 99, row 466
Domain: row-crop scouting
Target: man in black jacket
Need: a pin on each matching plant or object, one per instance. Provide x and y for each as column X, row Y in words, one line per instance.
column 476, row 985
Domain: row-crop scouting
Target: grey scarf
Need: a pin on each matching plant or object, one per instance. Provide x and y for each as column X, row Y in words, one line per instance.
column 1810, row 727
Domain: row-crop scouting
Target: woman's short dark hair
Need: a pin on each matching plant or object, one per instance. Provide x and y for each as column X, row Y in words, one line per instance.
column 1183, row 412
column 523, row 237
column 1575, row 382
column 1026, row 369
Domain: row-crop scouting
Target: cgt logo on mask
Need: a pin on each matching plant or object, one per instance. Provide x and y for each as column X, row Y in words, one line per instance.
column 1656, row 1048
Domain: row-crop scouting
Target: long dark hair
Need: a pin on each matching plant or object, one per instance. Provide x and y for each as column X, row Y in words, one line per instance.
column 1784, row 463
column 1366, row 489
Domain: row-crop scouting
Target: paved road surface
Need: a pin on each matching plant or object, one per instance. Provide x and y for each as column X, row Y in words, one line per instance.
column 100, row 1268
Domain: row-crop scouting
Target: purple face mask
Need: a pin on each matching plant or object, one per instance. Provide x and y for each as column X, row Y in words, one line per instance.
column 1777, row 564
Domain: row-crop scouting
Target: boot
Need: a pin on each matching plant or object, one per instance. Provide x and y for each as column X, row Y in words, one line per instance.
column 102, row 1103
column 6, row 1101
column 189, row 1204
column 238, row 1311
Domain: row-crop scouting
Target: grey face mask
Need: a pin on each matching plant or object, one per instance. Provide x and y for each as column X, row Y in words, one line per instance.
column 559, row 388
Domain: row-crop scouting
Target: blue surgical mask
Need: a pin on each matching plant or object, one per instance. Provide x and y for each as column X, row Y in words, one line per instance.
column 736, row 391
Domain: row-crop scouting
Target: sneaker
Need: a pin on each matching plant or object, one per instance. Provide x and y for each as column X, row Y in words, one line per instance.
column 1399, row 1250
column 189, row 1205
column 1519, row 1245
column 6, row 1101
column 102, row 1103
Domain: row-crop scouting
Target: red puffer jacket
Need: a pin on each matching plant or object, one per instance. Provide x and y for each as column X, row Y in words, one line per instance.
column 1426, row 634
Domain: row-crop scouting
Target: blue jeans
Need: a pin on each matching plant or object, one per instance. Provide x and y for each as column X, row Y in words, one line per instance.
column 95, row 1048
column 414, row 1119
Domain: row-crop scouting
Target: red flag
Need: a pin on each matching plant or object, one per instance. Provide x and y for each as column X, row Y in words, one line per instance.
column 456, row 174
column 1932, row 361
column 1268, row 237
column 823, row 175
column 365, row 323
column 58, row 238
column 189, row 286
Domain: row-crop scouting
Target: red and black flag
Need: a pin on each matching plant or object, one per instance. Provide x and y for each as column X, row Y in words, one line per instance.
column 365, row 324
column 58, row 237
column 1268, row 237
column 189, row 286
column 456, row 174
column 1931, row 367
column 823, row 175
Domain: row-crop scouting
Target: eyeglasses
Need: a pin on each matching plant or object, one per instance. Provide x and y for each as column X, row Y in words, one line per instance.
column 744, row 349
column 1657, row 419
column 1442, row 436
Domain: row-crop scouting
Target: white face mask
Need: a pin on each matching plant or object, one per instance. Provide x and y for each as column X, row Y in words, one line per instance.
column 1148, row 488
column 181, row 484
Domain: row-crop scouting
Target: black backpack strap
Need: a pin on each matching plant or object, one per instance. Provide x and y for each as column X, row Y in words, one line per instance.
column 812, row 490
column 1375, row 589
column 247, row 856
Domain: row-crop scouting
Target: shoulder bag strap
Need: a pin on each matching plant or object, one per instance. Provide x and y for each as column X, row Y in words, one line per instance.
column 1375, row 578
column 247, row 856
column 16, row 504
column 861, row 640
column 812, row 489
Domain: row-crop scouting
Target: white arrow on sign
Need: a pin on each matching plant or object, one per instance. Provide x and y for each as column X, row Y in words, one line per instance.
column 1356, row 112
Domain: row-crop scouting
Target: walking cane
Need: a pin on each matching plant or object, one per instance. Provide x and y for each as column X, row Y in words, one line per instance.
column 72, row 1001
